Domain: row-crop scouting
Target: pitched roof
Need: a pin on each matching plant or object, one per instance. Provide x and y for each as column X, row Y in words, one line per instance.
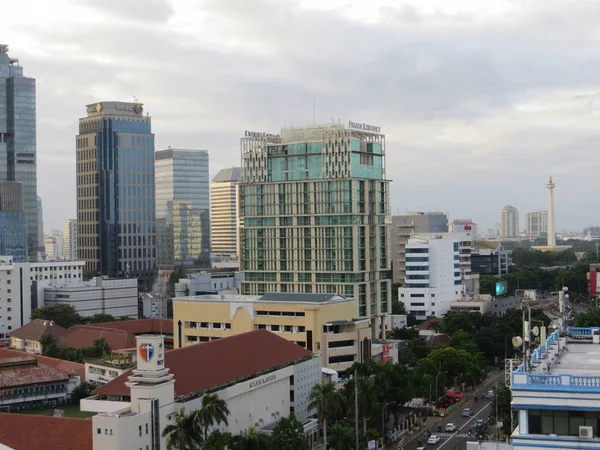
column 200, row 367
column 49, row 433
column 25, row 369
column 231, row 174
column 81, row 336
column 428, row 324
column 66, row 367
column 140, row 326
column 34, row 330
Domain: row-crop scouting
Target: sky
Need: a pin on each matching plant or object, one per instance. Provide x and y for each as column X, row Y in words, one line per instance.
column 480, row 101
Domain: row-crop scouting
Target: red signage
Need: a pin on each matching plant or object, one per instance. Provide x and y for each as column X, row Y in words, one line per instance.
column 386, row 352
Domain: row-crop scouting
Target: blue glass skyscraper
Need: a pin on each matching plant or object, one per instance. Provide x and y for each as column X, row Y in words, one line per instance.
column 115, row 191
column 18, row 139
column 13, row 221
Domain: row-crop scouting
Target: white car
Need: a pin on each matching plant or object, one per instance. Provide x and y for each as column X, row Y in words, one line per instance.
column 467, row 412
column 434, row 439
column 450, row 427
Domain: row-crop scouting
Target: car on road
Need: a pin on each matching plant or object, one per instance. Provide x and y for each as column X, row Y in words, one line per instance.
column 434, row 439
column 420, row 448
column 488, row 394
column 481, row 424
column 450, row 427
column 467, row 412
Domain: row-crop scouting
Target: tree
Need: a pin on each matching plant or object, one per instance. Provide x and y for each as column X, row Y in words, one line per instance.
column 252, row 440
column 84, row 390
column 342, row 437
column 49, row 347
column 182, row 435
column 589, row 318
column 218, row 441
column 289, row 434
column 501, row 401
column 326, row 400
column 100, row 318
column 214, row 411
column 63, row 315
column 405, row 334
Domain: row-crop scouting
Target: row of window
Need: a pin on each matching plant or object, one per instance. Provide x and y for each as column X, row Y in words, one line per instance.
column 280, row 328
column 208, row 325
column 562, row 423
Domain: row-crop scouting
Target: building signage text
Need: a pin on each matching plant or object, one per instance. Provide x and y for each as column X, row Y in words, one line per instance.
column 258, row 134
column 137, row 108
column 262, row 381
column 364, row 127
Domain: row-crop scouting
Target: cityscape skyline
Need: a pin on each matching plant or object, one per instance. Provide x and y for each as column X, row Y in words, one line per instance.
column 483, row 125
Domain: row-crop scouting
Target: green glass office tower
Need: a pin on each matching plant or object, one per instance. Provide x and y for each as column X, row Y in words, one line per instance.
column 315, row 202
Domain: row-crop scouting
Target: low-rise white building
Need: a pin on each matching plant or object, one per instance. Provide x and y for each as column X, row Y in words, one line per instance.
column 260, row 375
column 115, row 296
column 209, row 282
column 104, row 370
column 433, row 275
column 154, row 306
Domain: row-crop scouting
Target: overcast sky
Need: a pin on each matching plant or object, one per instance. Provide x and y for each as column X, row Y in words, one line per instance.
column 480, row 100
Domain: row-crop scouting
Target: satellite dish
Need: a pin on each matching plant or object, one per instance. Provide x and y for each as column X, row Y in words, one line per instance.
column 566, row 296
column 517, row 341
column 535, row 331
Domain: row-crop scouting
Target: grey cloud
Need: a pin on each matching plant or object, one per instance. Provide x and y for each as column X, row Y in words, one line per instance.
column 133, row 10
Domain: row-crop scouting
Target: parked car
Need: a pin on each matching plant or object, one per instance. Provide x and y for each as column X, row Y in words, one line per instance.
column 450, row 427
column 467, row 412
column 434, row 439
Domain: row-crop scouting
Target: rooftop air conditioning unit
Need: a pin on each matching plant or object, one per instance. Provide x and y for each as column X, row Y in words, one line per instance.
column 586, row 432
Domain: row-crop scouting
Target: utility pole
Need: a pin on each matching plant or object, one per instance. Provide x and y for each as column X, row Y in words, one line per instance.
column 356, row 406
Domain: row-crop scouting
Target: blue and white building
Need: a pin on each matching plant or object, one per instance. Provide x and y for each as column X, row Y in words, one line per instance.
column 557, row 396
column 433, row 275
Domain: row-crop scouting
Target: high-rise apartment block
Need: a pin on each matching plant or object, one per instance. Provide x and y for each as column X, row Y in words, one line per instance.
column 115, row 191
column 315, row 206
column 13, row 221
column 537, row 224
column 18, row 139
column 509, row 225
column 70, row 240
column 402, row 228
column 182, row 208
column 223, row 211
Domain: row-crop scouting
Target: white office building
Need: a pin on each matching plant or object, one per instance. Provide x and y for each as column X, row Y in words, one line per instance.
column 22, row 287
column 433, row 276
column 509, row 225
column 115, row 296
column 70, row 240
column 209, row 282
column 261, row 376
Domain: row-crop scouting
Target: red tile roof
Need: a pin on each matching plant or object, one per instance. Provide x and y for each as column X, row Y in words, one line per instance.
column 81, row 336
column 140, row 326
column 35, row 329
column 24, row 369
column 46, row 432
column 67, row 367
column 430, row 323
column 202, row 366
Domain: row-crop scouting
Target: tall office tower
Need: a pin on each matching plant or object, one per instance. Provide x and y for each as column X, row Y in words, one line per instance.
column 13, row 221
column 315, row 204
column 537, row 223
column 223, row 212
column 40, row 221
column 405, row 225
column 18, row 139
column 116, row 233
column 509, row 225
column 70, row 240
column 182, row 208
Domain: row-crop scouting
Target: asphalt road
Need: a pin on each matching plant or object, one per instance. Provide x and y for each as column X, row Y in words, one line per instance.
column 458, row 439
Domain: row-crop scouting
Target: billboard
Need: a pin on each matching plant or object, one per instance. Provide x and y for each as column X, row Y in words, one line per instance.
column 386, row 352
column 501, row 288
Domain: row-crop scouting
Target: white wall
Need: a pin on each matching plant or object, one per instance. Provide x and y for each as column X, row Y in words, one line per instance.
column 10, row 295
column 306, row 375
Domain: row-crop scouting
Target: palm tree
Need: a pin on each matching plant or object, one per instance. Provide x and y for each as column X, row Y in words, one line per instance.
column 342, row 437
column 214, row 411
column 251, row 440
column 182, row 434
column 326, row 400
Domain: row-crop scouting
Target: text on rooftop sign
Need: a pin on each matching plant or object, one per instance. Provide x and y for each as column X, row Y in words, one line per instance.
column 363, row 127
column 262, row 381
column 259, row 134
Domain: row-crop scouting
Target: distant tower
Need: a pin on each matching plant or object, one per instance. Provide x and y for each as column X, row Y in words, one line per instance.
column 551, row 235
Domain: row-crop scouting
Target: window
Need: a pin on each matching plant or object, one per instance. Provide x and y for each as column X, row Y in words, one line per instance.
column 565, row 423
column 146, row 428
column 140, row 430
column 98, row 431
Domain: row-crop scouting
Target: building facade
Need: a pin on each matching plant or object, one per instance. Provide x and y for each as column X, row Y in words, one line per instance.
column 509, row 223
column 537, row 224
column 433, row 276
column 115, row 191
column 401, row 230
column 13, row 221
column 182, row 208
column 224, row 212
column 465, row 226
column 70, row 240
column 209, row 283
column 490, row 258
column 18, row 139
column 315, row 206
column 117, row 296
column 40, row 221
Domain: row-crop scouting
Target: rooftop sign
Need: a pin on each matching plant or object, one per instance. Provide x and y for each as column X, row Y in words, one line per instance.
column 259, row 134
column 363, row 127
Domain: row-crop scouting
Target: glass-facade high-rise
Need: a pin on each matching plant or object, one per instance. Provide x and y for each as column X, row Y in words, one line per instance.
column 18, row 139
column 223, row 212
column 182, row 208
column 13, row 221
column 315, row 207
column 116, row 232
